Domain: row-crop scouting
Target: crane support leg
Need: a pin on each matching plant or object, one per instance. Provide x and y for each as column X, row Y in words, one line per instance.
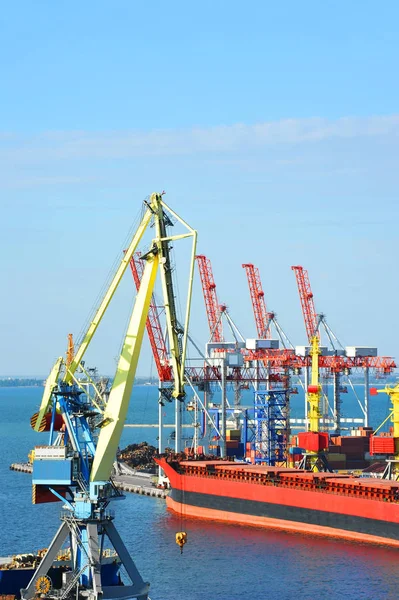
column 94, row 556
column 139, row 588
column 48, row 559
column 119, row 398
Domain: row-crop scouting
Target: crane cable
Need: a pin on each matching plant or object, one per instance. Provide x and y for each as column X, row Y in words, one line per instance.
column 181, row 536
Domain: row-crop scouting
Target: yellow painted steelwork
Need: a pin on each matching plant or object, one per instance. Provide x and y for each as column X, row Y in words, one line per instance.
column 162, row 242
column 70, row 351
column 314, row 397
column 43, row 584
column 115, row 411
column 179, row 387
column 48, row 390
column 119, row 398
column 393, row 393
column 181, row 539
column 109, row 294
column 193, row 234
column 82, row 387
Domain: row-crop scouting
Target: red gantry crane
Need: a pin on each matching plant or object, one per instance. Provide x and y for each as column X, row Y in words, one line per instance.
column 341, row 361
column 274, row 359
column 334, row 363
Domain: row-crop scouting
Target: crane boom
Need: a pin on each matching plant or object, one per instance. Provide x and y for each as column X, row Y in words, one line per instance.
column 153, row 325
column 213, row 311
column 175, row 331
column 307, row 302
column 119, row 398
column 258, row 301
column 88, row 336
column 122, row 386
column 51, row 382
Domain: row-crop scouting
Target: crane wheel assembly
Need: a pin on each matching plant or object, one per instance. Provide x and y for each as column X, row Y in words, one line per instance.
column 43, row 584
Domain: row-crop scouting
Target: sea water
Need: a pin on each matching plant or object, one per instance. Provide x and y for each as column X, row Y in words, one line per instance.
column 220, row 561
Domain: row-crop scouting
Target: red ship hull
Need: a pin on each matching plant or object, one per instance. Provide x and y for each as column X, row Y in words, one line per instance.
column 323, row 504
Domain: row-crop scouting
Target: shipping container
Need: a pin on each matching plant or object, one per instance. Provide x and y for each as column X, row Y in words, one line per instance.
column 335, row 457
column 258, row 344
column 382, row 445
column 232, row 444
column 360, row 351
column 312, row 441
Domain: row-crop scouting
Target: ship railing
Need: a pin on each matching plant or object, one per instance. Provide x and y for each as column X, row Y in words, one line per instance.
column 69, row 516
column 348, row 488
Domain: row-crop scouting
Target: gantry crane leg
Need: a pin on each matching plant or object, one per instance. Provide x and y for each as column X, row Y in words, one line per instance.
column 48, row 559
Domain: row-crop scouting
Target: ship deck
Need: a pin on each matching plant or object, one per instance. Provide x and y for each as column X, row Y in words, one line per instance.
column 331, row 483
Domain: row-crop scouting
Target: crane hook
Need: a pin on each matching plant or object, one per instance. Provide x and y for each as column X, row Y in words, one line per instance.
column 181, row 539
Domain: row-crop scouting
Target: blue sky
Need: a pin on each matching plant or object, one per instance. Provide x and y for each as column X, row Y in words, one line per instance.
column 273, row 128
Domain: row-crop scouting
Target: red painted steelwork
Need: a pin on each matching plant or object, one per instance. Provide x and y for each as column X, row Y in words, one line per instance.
column 312, row 441
column 307, row 302
column 258, row 301
column 327, row 492
column 294, row 526
column 153, row 325
column 213, row 309
column 382, row 445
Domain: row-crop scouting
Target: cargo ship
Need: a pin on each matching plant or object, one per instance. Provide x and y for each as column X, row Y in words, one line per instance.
column 320, row 503
column 17, row 571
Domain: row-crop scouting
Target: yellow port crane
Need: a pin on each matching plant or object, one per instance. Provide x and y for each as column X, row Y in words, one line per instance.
column 158, row 255
column 314, row 391
column 88, row 484
column 392, row 469
column 313, row 440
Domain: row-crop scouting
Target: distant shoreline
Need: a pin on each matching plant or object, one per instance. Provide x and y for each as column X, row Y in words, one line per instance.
column 14, row 387
column 39, row 383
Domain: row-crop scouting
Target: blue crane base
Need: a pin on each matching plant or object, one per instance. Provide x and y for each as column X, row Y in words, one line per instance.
column 86, row 537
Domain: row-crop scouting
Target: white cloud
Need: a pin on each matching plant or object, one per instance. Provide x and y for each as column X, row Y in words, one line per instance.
column 77, row 145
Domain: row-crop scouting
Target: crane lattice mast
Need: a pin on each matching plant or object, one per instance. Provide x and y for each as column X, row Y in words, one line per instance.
column 258, row 301
column 307, row 302
column 213, row 308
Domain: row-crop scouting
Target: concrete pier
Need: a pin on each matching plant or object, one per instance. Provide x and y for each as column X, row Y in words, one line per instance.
column 133, row 482
column 22, row 467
